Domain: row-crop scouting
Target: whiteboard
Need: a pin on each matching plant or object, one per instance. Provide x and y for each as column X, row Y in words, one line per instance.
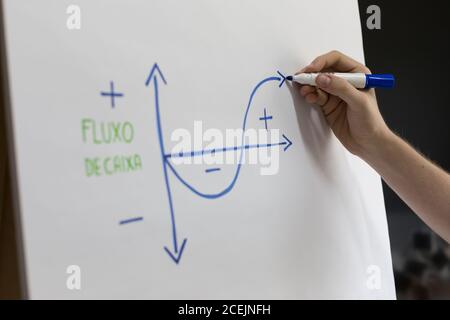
column 96, row 114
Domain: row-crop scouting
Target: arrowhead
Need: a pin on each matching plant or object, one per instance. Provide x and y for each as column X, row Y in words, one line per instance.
column 288, row 143
column 176, row 256
column 282, row 79
column 153, row 73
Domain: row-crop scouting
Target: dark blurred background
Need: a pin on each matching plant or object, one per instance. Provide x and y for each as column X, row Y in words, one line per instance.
column 413, row 44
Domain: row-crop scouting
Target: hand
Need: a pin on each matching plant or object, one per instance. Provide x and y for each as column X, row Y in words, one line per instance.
column 352, row 114
column 354, row 117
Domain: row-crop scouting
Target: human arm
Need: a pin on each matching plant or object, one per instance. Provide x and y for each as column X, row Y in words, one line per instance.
column 355, row 119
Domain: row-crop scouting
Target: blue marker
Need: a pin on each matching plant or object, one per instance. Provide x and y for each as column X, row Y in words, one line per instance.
column 358, row 80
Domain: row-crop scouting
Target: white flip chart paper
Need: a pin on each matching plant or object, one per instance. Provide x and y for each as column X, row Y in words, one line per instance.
column 102, row 94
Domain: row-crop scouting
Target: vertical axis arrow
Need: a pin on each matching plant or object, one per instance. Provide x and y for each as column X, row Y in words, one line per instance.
column 177, row 252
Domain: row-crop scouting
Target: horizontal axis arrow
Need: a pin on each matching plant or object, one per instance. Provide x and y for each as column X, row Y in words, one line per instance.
column 287, row 143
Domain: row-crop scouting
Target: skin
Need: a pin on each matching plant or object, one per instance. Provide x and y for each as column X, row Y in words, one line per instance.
column 355, row 119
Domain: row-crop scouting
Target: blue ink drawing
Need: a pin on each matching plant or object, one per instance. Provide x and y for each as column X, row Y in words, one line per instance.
column 131, row 220
column 112, row 94
column 265, row 118
column 155, row 76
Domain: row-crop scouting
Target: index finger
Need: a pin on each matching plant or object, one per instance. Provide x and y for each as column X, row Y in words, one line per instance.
column 335, row 61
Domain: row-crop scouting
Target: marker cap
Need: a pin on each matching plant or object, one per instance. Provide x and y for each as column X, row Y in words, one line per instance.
column 380, row 81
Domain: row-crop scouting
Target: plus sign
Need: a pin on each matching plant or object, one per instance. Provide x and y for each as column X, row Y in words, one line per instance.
column 111, row 94
column 265, row 118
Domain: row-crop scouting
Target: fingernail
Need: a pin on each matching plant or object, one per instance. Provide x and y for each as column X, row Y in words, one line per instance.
column 323, row 81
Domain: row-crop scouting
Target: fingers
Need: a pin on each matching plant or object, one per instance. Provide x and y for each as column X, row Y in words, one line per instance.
column 335, row 61
column 330, row 107
column 340, row 88
column 314, row 95
column 322, row 97
column 328, row 104
column 305, row 90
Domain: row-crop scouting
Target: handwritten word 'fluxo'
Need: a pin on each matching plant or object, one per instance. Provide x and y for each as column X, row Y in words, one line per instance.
column 101, row 132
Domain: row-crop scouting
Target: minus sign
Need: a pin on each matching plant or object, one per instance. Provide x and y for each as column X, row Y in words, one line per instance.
column 137, row 219
column 212, row 170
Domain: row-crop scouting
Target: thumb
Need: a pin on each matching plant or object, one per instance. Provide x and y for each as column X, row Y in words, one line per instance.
column 340, row 87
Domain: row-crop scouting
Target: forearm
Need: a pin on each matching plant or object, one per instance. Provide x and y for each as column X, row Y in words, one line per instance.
column 354, row 117
column 421, row 184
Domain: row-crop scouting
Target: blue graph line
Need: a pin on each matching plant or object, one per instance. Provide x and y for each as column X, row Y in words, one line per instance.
column 192, row 154
column 288, row 143
column 283, row 79
column 131, row 220
column 239, row 165
column 177, row 256
column 154, row 70
column 178, row 251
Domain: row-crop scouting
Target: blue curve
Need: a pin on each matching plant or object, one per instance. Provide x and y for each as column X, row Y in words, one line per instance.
column 178, row 251
column 238, row 169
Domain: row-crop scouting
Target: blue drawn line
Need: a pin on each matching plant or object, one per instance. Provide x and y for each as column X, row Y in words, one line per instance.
column 212, row 170
column 112, row 94
column 239, row 165
column 283, row 79
column 288, row 144
column 131, row 220
column 191, row 154
column 152, row 74
column 265, row 118
column 155, row 71
column 177, row 256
